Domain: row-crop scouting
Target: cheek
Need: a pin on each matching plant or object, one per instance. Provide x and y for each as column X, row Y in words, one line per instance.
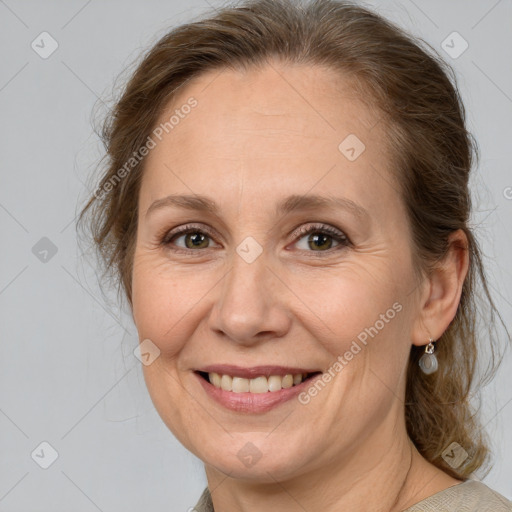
column 161, row 300
column 359, row 302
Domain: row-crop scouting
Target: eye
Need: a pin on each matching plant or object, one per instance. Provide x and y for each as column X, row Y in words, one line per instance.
column 192, row 238
column 319, row 238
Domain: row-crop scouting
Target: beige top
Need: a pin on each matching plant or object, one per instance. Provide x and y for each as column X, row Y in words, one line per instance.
column 469, row 496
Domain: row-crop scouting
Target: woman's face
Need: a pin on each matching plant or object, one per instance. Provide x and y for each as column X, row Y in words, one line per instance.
column 240, row 290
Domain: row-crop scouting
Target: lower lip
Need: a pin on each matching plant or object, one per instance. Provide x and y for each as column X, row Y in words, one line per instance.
column 253, row 402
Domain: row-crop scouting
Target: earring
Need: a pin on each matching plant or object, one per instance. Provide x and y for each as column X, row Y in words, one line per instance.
column 428, row 361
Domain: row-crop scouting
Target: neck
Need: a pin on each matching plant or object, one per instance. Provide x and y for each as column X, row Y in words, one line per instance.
column 384, row 474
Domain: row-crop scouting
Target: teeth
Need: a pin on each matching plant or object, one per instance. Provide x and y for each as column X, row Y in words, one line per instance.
column 240, row 385
column 226, row 383
column 258, row 385
column 274, row 383
column 287, row 381
column 215, row 379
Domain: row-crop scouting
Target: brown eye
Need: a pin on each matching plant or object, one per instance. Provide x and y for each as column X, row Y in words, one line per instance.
column 319, row 241
column 319, row 238
column 195, row 240
column 192, row 239
column 187, row 239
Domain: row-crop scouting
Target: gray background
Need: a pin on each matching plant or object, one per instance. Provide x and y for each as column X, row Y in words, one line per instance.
column 68, row 375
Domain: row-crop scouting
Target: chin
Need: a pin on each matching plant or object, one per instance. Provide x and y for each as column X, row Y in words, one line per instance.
column 246, row 458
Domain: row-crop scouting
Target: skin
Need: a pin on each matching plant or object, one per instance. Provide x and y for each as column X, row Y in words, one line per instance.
column 254, row 138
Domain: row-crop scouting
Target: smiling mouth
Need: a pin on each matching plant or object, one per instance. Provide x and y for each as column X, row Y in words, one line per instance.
column 258, row 385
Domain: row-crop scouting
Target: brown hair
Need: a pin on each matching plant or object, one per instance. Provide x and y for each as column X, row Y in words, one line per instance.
column 416, row 93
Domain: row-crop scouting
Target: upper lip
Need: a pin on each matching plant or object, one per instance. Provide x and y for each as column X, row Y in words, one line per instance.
column 253, row 371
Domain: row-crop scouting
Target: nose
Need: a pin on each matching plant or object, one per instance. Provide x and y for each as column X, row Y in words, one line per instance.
column 251, row 304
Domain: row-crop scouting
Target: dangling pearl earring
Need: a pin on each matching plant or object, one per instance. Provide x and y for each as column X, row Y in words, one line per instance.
column 428, row 361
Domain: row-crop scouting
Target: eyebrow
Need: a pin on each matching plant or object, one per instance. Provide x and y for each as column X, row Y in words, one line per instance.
column 290, row 204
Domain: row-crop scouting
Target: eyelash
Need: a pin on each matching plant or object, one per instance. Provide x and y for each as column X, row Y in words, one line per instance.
column 324, row 229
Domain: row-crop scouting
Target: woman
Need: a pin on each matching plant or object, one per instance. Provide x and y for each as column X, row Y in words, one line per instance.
column 286, row 206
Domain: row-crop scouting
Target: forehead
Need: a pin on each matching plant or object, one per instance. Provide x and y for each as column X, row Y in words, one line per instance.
column 268, row 127
column 293, row 100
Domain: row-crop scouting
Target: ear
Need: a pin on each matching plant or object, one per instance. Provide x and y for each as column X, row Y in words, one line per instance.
column 440, row 296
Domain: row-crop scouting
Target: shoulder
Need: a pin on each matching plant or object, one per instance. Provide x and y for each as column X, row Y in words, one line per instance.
column 469, row 496
column 205, row 502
